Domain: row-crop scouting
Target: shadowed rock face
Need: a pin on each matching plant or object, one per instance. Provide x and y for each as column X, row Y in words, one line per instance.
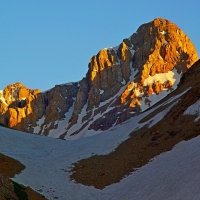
column 7, row 189
column 120, row 82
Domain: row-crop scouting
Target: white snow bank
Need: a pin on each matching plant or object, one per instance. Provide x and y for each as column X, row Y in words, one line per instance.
column 163, row 32
column 194, row 109
column 101, row 91
column 61, row 125
column 39, row 123
column 123, row 82
column 162, row 77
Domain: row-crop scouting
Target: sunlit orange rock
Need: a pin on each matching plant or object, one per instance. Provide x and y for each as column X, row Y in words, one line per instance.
column 12, row 116
column 161, row 47
column 116, row 78
column 150, row 90
column 135, row 102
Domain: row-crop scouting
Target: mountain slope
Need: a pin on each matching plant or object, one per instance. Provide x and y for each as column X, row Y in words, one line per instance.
column 144, row 96
column 171, row 175
column 158, row 134
column 120, row 83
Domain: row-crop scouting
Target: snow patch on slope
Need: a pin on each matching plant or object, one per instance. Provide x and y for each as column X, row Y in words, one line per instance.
column 153, row 99
column 170, row 102
column 149, row 101
column 162, row 78
column 39, row 123
column 79, row 123
column 194, row 109
column 61, row 125
column 163, row 32
column 101, row 91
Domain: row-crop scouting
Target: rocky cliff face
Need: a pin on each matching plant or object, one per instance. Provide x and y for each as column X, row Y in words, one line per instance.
column 34, row 111
column 120, row 82
column 18, row 102
column 7, row 189
column 133, row 76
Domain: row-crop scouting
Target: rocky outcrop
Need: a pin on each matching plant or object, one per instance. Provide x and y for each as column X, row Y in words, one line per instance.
column 120, row 82
column 58, row 101
column 18, row 102
column 21, row 108
column 7, row 189
column 161, row 47
column 134, row 75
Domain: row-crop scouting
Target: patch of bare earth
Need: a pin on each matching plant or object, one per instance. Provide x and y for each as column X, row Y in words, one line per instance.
column 8, row 168
column 102, row 170
column 32, row 195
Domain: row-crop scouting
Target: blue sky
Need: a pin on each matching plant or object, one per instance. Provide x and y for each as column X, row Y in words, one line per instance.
column 48, row 42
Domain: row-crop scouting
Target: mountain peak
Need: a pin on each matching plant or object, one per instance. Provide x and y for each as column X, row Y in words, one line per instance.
column 120, row 82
